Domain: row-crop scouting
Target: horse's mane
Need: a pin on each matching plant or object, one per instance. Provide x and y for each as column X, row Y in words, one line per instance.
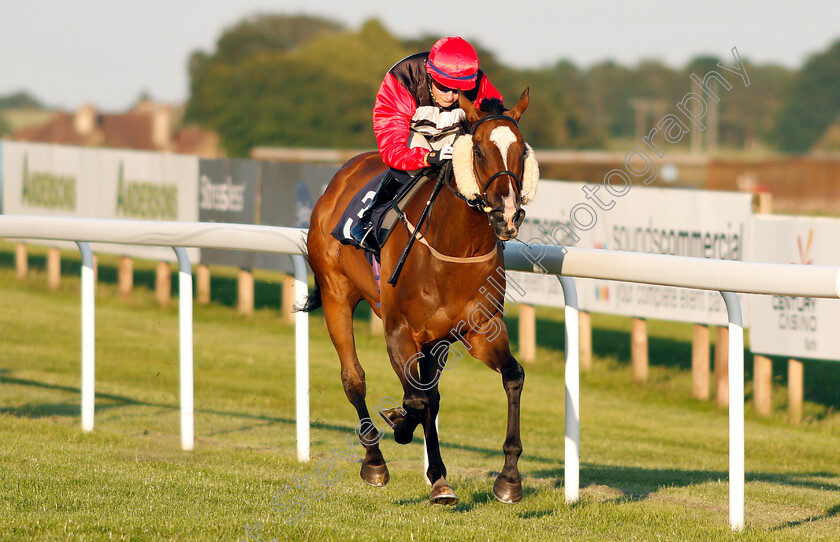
column 494, row 106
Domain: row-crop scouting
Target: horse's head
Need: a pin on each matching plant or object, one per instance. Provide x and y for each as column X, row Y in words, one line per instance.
column 494, row 168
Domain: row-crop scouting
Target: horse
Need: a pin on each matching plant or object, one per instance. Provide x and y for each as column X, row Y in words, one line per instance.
column 451, row 288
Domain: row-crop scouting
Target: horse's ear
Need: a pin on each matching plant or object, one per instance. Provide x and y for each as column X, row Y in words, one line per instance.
column 521, row 105
column 468, row 107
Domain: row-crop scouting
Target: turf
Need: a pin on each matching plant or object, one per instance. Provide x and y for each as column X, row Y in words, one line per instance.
column 654, row 463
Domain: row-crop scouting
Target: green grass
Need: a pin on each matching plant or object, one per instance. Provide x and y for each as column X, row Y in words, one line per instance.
column 654, row 463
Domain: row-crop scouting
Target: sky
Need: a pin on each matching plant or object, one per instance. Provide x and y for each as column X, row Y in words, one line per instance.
column 106, row 52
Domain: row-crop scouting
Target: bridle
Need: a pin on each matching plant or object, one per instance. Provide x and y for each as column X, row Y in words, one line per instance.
column 480, row 202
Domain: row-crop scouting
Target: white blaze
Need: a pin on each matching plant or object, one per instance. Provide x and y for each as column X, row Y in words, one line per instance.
column 510, row 205
column 503, row 137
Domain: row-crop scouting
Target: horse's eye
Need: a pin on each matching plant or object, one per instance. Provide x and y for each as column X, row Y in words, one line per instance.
column 477, row 150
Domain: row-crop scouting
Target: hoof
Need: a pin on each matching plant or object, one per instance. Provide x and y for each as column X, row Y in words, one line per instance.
column 507, row 492
column 375, row 475
column 442, row 494
column 395, row 418
column 392, row 416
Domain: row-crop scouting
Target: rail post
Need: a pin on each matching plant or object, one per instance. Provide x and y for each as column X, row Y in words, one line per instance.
column 301, row 359
column 736, row 411
column 88, row 337
column 185, row 316
column 571, row 458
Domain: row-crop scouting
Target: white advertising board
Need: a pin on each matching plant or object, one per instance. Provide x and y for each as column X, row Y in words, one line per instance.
column 58, row 180
column 697, row 223
column 141, row 185
column 41, row 179
column 800, row 327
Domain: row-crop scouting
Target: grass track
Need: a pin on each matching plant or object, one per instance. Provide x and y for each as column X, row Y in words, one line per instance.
column 654, row 463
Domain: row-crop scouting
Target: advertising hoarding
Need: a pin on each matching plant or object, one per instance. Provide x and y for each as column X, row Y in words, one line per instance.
column 800, row 327
column 288, row 192
column 228, row 192
column 696, row 223
column 58, row 180
column 139, row 185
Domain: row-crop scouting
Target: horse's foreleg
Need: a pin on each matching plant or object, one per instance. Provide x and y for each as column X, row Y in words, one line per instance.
column 508, row 486
column 338, row 314
column 496, row 355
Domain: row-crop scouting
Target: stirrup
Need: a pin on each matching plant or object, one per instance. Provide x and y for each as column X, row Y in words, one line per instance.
column 361, row 232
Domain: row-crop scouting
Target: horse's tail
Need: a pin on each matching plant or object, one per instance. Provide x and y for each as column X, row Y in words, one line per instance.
column 313, row 300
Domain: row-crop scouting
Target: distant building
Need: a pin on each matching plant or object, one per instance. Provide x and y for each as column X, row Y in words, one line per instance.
column 148, row 126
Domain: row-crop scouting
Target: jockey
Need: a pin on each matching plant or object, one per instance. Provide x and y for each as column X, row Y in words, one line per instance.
column 416, row 117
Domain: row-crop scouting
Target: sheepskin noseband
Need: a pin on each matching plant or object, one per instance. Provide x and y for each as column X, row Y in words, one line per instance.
column 464, row 170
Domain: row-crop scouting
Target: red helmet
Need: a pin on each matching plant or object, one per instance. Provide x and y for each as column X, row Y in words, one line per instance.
column 453, row 63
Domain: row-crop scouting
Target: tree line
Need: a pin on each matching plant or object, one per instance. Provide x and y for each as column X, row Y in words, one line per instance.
column 302, row 81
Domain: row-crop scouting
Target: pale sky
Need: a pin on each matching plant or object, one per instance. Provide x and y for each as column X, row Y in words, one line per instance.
column 106, row 52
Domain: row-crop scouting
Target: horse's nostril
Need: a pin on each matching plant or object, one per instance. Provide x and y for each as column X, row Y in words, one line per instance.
column 519, row 217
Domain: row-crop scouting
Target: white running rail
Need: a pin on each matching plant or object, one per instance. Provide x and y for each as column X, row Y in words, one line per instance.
column 727, row 277
column 177, row 235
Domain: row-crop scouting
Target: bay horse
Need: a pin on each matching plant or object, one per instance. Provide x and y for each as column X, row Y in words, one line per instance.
column 443, row 293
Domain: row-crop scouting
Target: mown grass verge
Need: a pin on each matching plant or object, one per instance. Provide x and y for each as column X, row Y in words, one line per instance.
column 654, row 461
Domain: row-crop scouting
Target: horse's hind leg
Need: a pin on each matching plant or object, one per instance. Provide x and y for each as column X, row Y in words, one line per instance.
column 338, row 314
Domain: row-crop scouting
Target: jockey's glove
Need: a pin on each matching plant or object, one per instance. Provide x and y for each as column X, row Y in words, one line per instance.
column 437, row 158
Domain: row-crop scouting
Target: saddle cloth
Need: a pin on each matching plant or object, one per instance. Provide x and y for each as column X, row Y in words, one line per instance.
column 384, row 218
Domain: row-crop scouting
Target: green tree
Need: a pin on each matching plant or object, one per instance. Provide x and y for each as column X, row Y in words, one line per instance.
column 20, row 100
column 305, row 81
column 319, row 92
column 812, row 103
column 653, row 79
column 748, row 115
column 212, row 76
column 361, row 57
column 274, row 101
column 557, row 116
column 609, row 87
column 271, row 34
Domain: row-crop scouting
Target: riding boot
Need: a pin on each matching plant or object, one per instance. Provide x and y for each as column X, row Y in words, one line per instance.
column 362, row 230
